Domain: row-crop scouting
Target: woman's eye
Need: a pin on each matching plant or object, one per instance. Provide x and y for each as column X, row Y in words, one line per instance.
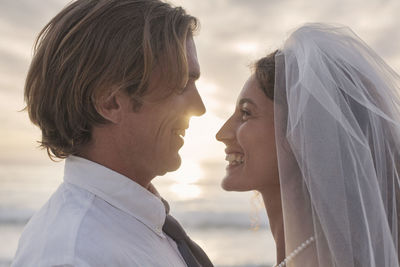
column 245, row 114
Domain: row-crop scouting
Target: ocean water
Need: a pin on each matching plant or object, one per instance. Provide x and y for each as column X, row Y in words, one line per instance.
column 231, row 227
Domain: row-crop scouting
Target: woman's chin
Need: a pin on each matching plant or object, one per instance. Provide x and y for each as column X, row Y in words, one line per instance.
column 229, row 184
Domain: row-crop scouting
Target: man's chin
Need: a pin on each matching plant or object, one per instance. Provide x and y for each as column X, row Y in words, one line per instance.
column 175, row 163
column 172, row 164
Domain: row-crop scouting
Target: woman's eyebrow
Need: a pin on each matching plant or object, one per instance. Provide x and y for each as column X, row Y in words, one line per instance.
column 246, row 100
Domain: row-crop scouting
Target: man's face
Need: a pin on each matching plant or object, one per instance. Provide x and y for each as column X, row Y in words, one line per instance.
column 152, row 137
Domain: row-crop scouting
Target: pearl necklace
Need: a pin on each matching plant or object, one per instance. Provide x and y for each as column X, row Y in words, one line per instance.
column 295, row 252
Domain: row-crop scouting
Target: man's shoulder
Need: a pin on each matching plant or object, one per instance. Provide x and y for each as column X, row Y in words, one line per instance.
column 61, row 214
column 75, row 224
column 50, row 236
column 50, row 262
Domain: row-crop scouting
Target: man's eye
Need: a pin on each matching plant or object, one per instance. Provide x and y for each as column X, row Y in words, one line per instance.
column 180, row 90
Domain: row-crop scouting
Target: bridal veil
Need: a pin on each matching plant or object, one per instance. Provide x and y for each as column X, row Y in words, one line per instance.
column 337, row 126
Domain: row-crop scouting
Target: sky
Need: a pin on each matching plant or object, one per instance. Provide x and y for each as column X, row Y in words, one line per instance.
column 233, row 34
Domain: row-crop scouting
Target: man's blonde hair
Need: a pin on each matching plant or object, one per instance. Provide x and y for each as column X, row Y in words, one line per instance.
column 94, row 46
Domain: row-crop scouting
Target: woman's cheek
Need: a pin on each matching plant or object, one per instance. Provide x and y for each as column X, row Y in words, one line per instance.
column 242, row 136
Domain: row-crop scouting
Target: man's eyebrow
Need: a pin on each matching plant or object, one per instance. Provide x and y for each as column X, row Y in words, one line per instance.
column 194, row 75
column 246, row 100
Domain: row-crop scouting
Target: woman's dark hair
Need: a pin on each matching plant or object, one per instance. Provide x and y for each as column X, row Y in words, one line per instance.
column 264, row 70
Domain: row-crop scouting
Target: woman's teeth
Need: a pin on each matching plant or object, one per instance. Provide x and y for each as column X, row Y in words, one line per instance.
column 234, row 159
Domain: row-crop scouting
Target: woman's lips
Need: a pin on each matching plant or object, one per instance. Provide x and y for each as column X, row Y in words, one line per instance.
column 235, row 159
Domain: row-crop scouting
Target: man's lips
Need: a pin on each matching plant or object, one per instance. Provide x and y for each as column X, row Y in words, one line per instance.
column 180, row 132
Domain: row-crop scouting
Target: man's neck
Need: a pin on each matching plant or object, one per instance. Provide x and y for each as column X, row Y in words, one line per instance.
column 105, row 157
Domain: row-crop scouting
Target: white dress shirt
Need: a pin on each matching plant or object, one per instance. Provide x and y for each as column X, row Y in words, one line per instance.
column 97, row 217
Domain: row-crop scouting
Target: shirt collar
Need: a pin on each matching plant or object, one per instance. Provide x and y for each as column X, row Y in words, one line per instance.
column 118, row 190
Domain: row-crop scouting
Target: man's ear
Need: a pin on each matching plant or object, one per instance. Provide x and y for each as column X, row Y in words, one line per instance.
column 112, row 106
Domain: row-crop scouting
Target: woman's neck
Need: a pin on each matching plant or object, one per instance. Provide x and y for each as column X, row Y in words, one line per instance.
column 273, row 205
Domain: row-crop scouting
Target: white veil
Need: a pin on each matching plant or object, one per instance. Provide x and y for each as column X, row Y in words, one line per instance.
column 337, row 126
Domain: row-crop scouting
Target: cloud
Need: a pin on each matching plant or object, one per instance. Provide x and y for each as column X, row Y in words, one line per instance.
column 29, row 15
column 264, row 24
column 234, row 33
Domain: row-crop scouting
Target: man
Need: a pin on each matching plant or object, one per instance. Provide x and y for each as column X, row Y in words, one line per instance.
column 112, row 88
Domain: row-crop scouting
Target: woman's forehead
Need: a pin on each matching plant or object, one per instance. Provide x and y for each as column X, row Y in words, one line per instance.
column 252, row 93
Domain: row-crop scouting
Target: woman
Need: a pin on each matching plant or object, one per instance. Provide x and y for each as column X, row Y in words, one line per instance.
column 316, row 131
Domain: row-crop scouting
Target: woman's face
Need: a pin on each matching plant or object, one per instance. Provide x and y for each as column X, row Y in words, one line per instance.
column 249, row 137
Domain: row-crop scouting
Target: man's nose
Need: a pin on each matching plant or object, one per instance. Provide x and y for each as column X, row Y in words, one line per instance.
column 197, row 107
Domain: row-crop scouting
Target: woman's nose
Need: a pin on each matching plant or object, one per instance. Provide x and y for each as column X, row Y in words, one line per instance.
column 226, row 132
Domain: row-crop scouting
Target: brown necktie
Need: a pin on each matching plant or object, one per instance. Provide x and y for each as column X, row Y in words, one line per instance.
column 193, row 255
